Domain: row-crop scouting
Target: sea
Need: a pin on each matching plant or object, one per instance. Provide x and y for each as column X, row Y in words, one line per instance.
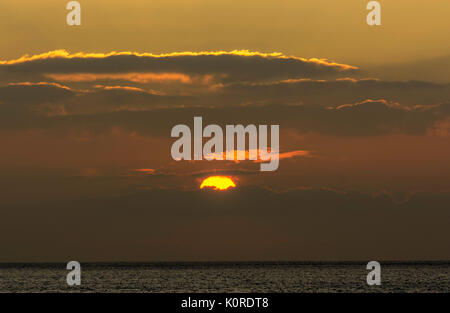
column 226, row 277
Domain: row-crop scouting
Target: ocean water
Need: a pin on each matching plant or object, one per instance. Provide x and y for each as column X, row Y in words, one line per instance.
column 226, row 277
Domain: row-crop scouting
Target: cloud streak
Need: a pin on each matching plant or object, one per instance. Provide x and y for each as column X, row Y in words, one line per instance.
column 237, row 65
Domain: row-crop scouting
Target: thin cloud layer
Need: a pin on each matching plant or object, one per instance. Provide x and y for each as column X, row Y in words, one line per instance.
column 238, row 65
column 151, row 114
column 339, row 91
column 182, row 85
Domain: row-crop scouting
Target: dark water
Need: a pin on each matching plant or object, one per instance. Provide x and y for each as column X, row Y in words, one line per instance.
column 226, row 277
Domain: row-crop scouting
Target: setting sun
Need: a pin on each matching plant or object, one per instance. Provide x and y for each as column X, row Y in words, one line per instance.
column 218, row 183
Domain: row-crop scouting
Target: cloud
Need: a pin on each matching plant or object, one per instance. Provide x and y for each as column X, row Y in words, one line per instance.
column 132, row 77
column 45, row 84
column 237, row 65
column 147, row 171
column 152, row 114
column 432, row 69
column 293, row 154
column 129, row 88
column 40, row 92
column 21, row 101
column 262, row 155
column 48, row 98
column 150, row 93
column 334, row 92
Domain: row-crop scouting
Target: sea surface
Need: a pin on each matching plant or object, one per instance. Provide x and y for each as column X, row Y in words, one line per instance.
column 227, row 277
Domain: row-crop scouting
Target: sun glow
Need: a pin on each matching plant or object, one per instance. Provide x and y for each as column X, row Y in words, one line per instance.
column 218, row 183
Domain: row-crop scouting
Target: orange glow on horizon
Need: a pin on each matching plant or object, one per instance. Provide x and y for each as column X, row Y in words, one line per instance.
column 218, row 183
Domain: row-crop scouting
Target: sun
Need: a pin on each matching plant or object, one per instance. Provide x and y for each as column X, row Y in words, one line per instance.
column 218, row 183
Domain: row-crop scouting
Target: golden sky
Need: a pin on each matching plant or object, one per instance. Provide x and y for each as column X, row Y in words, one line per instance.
column 411, row 29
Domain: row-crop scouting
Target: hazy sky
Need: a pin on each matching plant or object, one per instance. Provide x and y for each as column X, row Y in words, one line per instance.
column 411, row 29
column 85, row 121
